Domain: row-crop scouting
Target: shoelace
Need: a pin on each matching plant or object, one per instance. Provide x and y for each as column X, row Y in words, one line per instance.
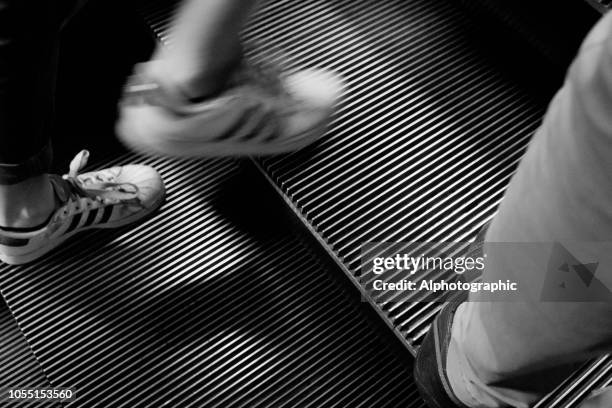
column 270, row 76
column 76, row 194
column 270, row 66
column 266, row 74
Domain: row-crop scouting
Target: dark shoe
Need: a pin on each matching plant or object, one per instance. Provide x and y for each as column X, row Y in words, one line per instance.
column 430, row 366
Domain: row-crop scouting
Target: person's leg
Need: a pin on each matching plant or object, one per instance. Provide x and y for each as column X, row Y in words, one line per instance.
column 28, row 53
column 205, row 46
column 38, row 211
column 514, row 353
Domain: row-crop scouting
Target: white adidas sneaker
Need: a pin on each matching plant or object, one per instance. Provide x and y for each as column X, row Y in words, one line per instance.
column 259, row 113
column 107, row 198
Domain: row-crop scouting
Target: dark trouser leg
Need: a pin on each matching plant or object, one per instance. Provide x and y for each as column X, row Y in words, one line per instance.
column 29, row 38
column 29, row 35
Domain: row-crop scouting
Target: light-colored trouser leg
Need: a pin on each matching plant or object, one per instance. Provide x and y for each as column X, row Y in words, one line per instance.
column 513, row 353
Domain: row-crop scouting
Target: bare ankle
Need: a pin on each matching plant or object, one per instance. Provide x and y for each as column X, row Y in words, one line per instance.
column 26, row 204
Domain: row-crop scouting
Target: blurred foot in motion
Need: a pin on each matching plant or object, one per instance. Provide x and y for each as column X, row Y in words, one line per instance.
column 198, row 97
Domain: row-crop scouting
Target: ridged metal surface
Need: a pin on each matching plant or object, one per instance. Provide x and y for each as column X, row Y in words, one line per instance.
column 207, row 304
column 429, row 133
column 423, row 146
column 422, row 149
column 425, row 142
column 19, row 367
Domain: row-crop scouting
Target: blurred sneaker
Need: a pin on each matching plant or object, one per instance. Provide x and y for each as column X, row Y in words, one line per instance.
column 108, row 198
column 258, row 113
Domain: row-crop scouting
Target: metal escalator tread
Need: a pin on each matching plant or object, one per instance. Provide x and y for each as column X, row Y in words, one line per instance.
column 200, row 306
column 423, row 146
column 19, row 368
column 429, row 134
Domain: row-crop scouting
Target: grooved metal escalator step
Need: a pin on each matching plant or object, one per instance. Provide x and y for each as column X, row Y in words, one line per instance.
column 207, row 304
column 429, row 133
column 19, row 368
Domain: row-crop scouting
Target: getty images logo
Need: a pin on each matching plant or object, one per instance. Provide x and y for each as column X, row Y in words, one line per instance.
column 569, row 280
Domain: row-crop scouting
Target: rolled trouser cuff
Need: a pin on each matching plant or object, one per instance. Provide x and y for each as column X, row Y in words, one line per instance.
column 39, row 163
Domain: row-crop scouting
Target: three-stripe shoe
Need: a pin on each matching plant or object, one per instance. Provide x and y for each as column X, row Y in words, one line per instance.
column 258, row 113
column 107, row 198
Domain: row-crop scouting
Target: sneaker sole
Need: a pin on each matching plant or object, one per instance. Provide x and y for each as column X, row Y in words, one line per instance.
column 147, row 141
